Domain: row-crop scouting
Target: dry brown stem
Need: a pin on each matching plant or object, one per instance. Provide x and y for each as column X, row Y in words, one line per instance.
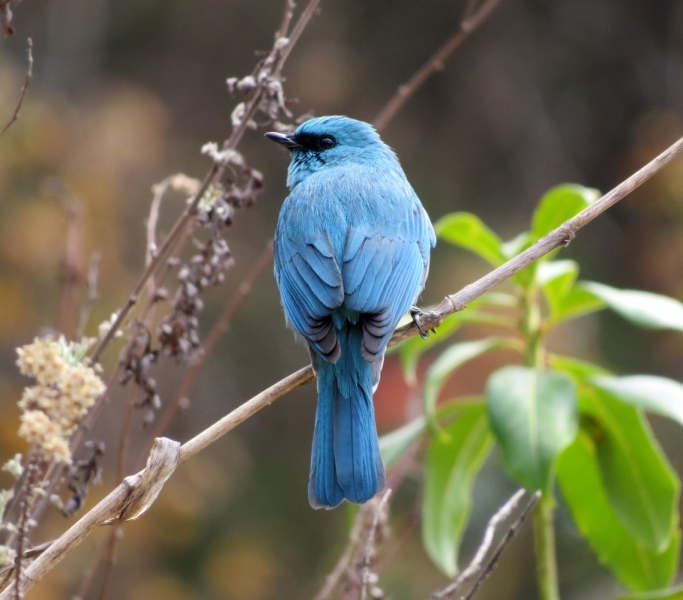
column 475, row 565
column 470, row 22
column 29, row 72
column 71, row 265
column 91, row 295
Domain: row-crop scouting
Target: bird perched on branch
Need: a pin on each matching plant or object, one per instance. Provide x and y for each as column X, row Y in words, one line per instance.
column 351, row 256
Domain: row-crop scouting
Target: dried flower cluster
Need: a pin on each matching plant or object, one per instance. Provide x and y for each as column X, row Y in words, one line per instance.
column 178, row 333
column 65, row 390
column 138, row 362
column 266, row 76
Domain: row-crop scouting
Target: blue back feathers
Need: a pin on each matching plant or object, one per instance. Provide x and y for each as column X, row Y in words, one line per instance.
column 351, row 256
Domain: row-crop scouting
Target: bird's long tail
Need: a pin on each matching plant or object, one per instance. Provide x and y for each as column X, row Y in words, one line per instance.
column 345, row 461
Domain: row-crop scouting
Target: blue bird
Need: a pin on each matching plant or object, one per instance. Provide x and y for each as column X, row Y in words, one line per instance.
column 351, row 256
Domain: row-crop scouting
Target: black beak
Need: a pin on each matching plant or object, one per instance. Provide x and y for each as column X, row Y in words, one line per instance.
column 283, row 140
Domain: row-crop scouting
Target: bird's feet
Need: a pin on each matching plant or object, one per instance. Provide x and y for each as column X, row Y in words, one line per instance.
column 415, row 312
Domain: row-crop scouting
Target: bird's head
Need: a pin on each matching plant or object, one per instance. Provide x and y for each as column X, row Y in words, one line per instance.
column 327, row 142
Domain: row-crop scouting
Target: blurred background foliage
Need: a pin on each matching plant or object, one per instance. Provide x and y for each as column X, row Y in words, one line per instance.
column 125, row 93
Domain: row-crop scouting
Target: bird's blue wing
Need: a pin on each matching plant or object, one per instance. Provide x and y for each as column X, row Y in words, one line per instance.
column 384, row 268
column 311, row 288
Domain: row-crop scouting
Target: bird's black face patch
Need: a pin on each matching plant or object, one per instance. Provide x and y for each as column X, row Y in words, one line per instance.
column 314, row 142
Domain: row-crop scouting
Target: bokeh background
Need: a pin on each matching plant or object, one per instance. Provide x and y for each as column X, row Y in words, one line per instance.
column 125, row 93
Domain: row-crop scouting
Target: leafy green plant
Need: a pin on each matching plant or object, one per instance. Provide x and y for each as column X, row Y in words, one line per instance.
column 562, row 425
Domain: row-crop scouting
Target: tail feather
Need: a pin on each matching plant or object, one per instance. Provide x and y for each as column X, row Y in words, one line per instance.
column 345, row 462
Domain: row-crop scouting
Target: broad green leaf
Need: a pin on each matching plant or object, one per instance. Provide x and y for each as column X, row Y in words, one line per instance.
column 578, row 301
column 656, row 394
column 579, row 370
column 413, row 348
column 641, row 485
column 644, row 309
column 448, row 361
column 560, row 204
column 557, row 269
column 628, row 558
column 670, row 594
column 533, row 414
column 514, row 246
column 468, row 231
column 393, row 444
column 450, row 468
column 556, row 279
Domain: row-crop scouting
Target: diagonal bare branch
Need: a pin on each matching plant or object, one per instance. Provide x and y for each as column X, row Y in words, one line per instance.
column 472, row 20
column 27, row 81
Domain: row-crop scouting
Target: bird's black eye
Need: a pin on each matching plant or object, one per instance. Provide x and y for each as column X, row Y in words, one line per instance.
column 326, row 142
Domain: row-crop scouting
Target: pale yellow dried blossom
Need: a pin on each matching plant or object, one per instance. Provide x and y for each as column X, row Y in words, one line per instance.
column 7, row 555
column 43, row 360
column 66, row 390
column 36, row 426
column 82, row 386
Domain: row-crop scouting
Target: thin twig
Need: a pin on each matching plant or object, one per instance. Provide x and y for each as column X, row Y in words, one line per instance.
column 91, row 295
column 22, row 525
column 507, row 538
column 370, row 545
column 173, row 235
column 116, row 534
column 71, row 266
column 344, row 561
column 112, row 504
column 89, row 578
column 476, row 564
column 435, row 63
column 27, row 81
column 395, row 476
column 109, row 558
column 287, row 16
column 294, row 36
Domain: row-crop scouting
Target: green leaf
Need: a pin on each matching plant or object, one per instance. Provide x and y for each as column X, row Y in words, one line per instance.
column 450, row 469
column 577, row 369
column 640, row 484
column 627, row 557
column 579, row 301
column 534, row 416
column 670, row 594
column 644, row 309
column 468, row 231
column 413, row 348
column 655, row 394
column 556, row 279
column 395, row 443
column 448, row 361
column 558, row 269
column 514, row 246
column 560, row 204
